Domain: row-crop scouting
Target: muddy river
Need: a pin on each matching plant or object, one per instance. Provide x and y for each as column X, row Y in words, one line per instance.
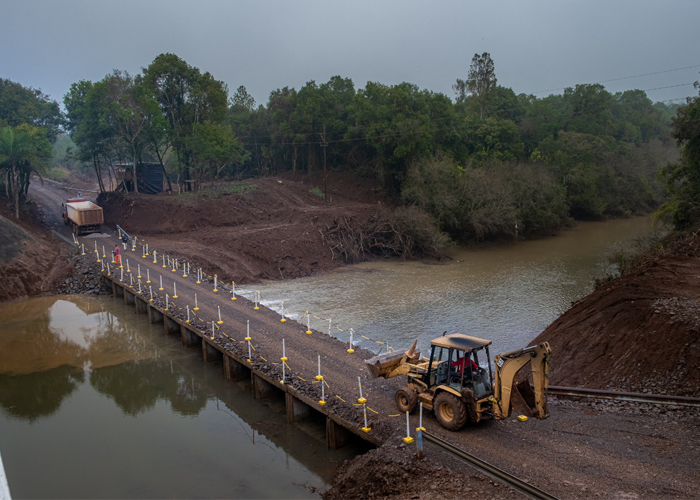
column 97, row 403
column 507, row 293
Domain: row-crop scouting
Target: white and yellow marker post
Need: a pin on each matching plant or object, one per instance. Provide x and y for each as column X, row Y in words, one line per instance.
column 308, row 323
column 319, row 378
column 247, row 339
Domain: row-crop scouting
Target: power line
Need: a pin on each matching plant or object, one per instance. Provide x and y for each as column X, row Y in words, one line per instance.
column 625, row 78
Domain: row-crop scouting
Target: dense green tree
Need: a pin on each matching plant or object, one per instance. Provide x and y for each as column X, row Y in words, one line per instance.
column 23, row 149
column 19, row 104
column 683, row 177
column 186, row 97
column 214, row 147
column 480, row 83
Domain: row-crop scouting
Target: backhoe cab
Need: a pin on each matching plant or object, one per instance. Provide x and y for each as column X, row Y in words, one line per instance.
column 458, row 384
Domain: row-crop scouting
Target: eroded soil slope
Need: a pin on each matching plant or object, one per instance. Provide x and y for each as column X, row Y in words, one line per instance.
column 640, row 332
column 264, row 229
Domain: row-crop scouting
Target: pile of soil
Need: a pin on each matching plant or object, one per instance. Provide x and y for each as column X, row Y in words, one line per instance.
column 640, row 332
column 394, row 472
column 32, row 262
column 269, row 228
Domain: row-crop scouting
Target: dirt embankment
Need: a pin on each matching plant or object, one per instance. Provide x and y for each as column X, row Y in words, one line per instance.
column 640, row 332
column 32, row 262
column 263, row 229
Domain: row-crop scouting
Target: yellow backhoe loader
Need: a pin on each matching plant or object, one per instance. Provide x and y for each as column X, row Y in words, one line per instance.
column 455, row 385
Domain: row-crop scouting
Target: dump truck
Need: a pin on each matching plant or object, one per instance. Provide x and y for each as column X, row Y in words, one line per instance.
column 458, row 384
column 82, row 215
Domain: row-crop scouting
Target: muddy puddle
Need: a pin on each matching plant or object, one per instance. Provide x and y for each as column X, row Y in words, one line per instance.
column 97, row 403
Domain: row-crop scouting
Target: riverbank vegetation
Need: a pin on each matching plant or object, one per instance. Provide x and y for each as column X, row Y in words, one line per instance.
column 489, row 164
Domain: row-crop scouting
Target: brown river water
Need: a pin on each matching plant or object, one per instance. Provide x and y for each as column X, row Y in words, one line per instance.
column 97, row 403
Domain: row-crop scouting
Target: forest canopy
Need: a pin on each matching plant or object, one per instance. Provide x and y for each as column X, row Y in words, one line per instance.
column 487, row 164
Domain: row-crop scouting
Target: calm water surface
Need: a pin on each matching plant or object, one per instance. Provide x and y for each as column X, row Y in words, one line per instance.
column 97, row 403
column 508, row 294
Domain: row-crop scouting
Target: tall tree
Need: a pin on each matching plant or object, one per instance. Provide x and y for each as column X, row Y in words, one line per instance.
column 683, row 177
column 23, row 149
column 481, row 81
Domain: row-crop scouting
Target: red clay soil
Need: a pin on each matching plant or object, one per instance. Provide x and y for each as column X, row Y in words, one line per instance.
column 640, row 332
column 270, row 231
column 32, row 262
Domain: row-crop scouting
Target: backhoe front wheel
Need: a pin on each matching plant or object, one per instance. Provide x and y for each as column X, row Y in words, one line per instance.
column 450, row 411
column 406, row 400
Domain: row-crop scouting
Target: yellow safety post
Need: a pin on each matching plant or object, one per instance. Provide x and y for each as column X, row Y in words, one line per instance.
column 188, row 313
column 140, row 292
column 161, row 284
column 257, row 300
column 138, row 271
column 155, row 257
column 164, row 261
column 408, row 439
column 283, row 319
column 308, row 324
column 127, row 266
column 420, row 427
column 131, row 283
column 212, row 330
column 196, row 308
column 247, row 339
column 174, row 262
column 109, row 273
column 121, row 271
column 148, row 276
column 150, row 290
column 366, row 428
column 184, row 269
column 143, row 252
column 199, row 276
column 97, row 256
column 216, row 289
column 167, row 305
column 220, row 322
column 350, row 349
column 83, row 244
column 233, row 290
column 174, row 290
column 361, row 400
column 104, row 255
column 284, row 362
column 319, row 378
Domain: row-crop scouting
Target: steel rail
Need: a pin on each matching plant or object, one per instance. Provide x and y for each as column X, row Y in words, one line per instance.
column 637, row 397
column 491, row 470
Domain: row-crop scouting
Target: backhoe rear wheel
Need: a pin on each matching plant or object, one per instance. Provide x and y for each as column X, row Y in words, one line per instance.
column 406, row 400
column 450, row 411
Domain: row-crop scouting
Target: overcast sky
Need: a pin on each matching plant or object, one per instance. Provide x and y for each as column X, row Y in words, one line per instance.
column 536, row 45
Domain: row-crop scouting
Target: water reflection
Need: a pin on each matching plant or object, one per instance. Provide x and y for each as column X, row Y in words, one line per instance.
column 34, row 396
column 97, row 402
column 131, row 386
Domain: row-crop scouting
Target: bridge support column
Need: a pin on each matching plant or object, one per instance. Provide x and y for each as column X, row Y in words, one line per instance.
column 170, row 325
column 117, row 291
column 128, row 297
column 296, row 409
column 233, row 370
column 261, row 387
column 210, row 354
column 189, row 338
column 154, row 315
column 141, row 305
column 337, row 436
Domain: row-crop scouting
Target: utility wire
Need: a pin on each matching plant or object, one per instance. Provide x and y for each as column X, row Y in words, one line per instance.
column 625, row 78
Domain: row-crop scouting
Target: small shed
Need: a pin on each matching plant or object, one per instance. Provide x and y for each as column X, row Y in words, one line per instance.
column 149, row 177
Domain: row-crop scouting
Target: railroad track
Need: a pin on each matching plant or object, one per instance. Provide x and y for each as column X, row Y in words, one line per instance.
column 637, row 397
column 490, row 470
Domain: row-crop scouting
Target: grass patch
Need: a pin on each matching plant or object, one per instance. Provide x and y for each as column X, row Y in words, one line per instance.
column 317, row 191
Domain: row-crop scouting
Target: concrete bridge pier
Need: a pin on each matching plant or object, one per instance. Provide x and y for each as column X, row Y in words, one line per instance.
column 261, row 388
column 170, row 325
column 210, row 354
column 337, row 436
column 128, row 297
column 189, row 338
column 141, row 305
column 154, row 315
column 296, row 409
column 233, row 370
column 117, row 291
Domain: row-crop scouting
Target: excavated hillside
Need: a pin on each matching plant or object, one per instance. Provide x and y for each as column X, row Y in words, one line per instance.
column 640, row 332
column 266, row 228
